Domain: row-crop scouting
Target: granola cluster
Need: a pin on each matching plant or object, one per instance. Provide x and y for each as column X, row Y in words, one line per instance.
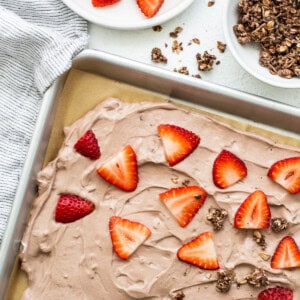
column 279, row 224
column 205, row 61
column 225, row 280
column 256, row 279
column 217, row 217
column 275, row 26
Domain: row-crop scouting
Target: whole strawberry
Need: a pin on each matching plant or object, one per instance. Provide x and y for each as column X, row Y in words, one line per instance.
column 88, row 146
column 275, row 293
column 70, row 208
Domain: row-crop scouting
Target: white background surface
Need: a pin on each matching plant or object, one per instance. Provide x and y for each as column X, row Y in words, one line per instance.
column 198, row 21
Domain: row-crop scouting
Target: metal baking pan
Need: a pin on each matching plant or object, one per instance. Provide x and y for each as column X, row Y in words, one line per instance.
column 236, row 104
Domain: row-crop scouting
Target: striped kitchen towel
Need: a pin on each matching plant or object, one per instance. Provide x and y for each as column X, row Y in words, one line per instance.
column 38, row 39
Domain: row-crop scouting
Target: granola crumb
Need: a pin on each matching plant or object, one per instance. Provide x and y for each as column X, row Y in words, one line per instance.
column 217, row 217
column 157, row 28
column 257, row 278
column 225, row 280
column 264, row 256
column 196, row 41
column 205, row 61
column 174, row 34
column 259, row 239
column 186, row 182
column 183, row 70
column 157, row 56
column 197, row 76
column 178, row 296
column 174, row 179
column 177, row 46
column 279, row 224
column 221, row 46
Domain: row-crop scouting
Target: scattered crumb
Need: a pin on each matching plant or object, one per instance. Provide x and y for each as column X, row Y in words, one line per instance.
column 205, row 61
column 174, row 34
column 196, row 41
column 157, row 28
column 210, row 3
column 221, row 46
column 259, row 239
column 186, row 182
column 177, row 47
column 197, row 76
column 264, row 256
column 175, row 179
column 157, row 56
column 182, row 70
column 178, row 296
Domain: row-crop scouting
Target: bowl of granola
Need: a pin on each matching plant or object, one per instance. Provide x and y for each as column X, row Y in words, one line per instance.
column 264, row 38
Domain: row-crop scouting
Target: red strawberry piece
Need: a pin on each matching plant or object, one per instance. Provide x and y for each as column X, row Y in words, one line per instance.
column 228, row 169
column 121, row 170
column 70, row 208
column 276, row 293
column 286, row 172
column 127, row 236
column 184, row 202
column 200, row 252
column 254, row 212
column 286, row 255
column 102, row 3
column 178, row 142
column 88, row 146
column 149, row 7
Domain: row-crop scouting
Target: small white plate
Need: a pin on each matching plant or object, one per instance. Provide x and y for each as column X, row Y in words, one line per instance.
column 248, row 55
column 126, row 14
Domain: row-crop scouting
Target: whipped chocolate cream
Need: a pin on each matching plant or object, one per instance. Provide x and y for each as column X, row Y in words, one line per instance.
column 77, row 261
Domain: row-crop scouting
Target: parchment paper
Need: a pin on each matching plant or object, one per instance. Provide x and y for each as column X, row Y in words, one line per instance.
column 81, row 93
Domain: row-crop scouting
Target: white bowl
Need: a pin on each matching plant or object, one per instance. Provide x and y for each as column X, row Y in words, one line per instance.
column 126, row 14
column 248, row 55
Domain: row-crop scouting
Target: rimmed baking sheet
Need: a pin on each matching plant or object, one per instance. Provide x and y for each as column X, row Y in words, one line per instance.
column 96, row 76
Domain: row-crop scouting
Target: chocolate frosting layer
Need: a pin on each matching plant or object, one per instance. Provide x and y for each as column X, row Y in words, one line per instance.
column 77, row 261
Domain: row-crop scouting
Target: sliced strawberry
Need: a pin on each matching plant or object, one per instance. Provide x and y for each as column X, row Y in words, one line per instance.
column 254, row 212
column 286, row 255
column 88, row 146
column 149, row 7
column 70, row 208
column 200, row 252
column 184, row 202
column 178, row 142
column 127, row 236
column 121, row 170
column 286, row 172
column 228, row 169
column 102, row 3
column 276, row 293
